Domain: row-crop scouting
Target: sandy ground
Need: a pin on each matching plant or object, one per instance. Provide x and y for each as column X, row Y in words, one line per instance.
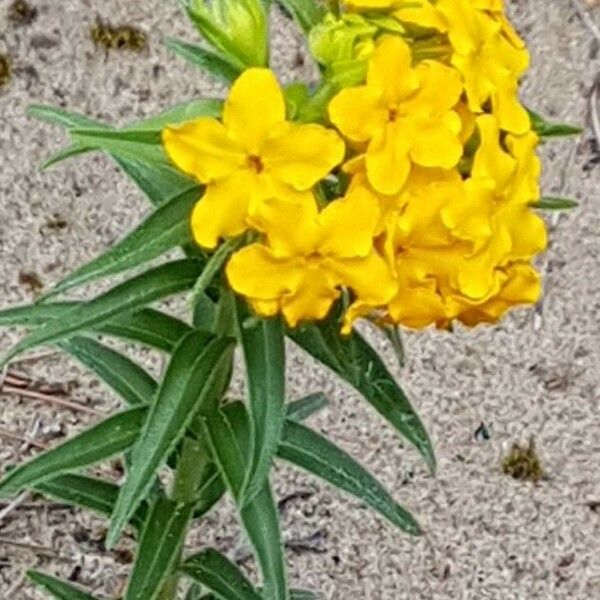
column 536, row 374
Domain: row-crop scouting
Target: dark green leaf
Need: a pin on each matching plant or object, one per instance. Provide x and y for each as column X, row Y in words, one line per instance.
column 89, row 493
column 104, row 440
column 316, row 454
column 264, row 356
column 355, row 361
column 302, row 409
column 165, row 229
column 218, row 574
column 124, row 376
column 155, row 284
column 159, row 181
column 307, row 13
column 546, row 129
column 147, row 326
column 210, row 491
column 228, row 434
column 64, row 154
column 210, row 62
column 548, row 203
column 191, row 377
column 59, row 589
column 32, row 315
column 159, row 548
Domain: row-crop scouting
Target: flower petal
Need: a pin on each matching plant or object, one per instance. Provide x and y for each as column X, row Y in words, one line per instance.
column 437, row 146
column 358, row 113
column 388, row 163
column 302, row 155
column 254, row 108
column 203, row 148
column 223, row 209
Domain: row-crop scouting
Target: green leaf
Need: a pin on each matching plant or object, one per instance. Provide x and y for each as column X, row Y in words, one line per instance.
column 32, row 315
column 546, row 129
column 304, row 595
column 155, row 284
column 187, row 111
column 264, row 356
column 64, row 154
column 166, row 228
column 102, row 441
column 307, row 13
column 549, row 203
column 57, row 588
column 210, row 62
column 149, row 327
column 219, row 575
column 316, row 454
column 64, row 118
column 355, row 361
column 124, row 376
column 210, row 491
column 302, row 409
column 228, row 435
column 90, row 493
column 159, row 548
column 191, row 377
column 159, row 181
column 213, row 267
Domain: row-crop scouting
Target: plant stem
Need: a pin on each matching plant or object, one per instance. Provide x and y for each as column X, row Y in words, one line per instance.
column 190, row 467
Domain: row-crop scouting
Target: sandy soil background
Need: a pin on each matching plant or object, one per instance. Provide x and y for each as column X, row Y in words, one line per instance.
column 535, row 375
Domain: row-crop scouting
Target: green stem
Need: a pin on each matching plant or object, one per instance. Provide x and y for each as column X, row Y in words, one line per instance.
column 192, row 461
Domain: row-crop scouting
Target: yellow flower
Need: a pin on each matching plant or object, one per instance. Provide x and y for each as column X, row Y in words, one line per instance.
column 422, row 13
column 490, row 56
column 253, row 154
column 404, row 114
column 309, row 256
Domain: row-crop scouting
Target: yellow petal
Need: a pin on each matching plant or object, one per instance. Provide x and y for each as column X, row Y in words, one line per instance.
column 348, row 225
column 511, row 114
column 387, row 159
column 203, row 148
column 256, row 273
column 437, row 146
column 424, row 15
column 289, row 223
column 222, row 211
column 253, row 109
column 417, row 307
column 302, row 155
column 358, row 113
column 390, row 71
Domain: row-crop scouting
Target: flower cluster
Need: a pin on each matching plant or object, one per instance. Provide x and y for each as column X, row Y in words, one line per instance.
column 431, row 149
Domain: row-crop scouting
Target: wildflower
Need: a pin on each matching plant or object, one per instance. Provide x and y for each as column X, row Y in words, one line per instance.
column 309, row 256
column 403, row 114
column 253, row 154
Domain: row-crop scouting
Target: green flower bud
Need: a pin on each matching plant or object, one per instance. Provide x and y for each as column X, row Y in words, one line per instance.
column 238, row 28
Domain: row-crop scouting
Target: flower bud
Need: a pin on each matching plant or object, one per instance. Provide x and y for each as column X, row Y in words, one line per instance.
column 238, row 28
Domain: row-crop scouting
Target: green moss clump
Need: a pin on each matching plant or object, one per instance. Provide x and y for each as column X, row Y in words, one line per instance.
column 21, row 13
column 5, row 70
column 122, row 37
column 523, row 463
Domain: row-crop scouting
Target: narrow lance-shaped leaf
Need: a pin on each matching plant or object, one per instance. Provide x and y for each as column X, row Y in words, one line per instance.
column 210, row 62
column 547, row 129
column 159, row 548
column 302, row 409
column 165, row 229
column 155, row 284
column 355, row 361
column 130, row 381
column 307, row 13
column 60, row 590
column 90, row 493
column 219, row 575
column 549, row 203
column 314, row 453
column 32, row 315
column 228, row 435
column 264, row 356
column 102, row 441
column 191, row 377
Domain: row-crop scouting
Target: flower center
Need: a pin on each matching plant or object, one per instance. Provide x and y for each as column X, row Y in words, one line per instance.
column 392, row 114
column 255, row 163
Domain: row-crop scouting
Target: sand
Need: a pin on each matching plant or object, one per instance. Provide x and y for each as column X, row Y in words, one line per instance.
column 534, row 375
